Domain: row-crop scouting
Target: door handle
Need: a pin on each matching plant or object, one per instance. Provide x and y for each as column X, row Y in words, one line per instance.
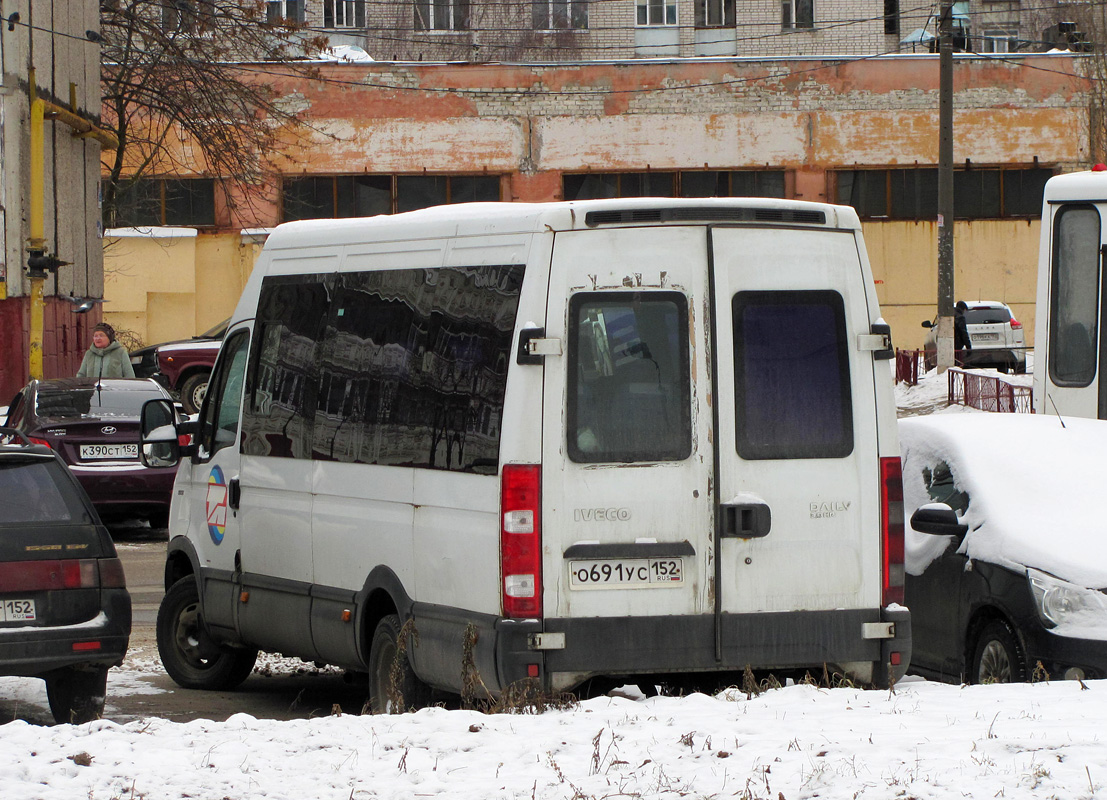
column 234, row 493
column 746, row 520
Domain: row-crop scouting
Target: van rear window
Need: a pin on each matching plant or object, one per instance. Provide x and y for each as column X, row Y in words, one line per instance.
column 791, row 368
column 629, row 380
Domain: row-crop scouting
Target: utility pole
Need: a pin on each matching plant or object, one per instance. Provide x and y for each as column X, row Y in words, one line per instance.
column 945, row 338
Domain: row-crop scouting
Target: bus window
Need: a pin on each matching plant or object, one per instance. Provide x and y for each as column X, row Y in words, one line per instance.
column 1074, row 301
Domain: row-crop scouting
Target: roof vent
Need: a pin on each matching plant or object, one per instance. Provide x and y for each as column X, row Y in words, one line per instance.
column 703, row 214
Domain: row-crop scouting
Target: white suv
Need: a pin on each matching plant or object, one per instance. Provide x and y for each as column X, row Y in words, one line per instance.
column 997, row 338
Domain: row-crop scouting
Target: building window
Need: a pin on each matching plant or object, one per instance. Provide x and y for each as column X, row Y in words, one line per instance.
column 277, row 11
column 185, row 16
column 441, row 15
column 558, row 15
column 714, row 13
column 151, row 202
column 701, row 183
column 797, row 14
column 978, row 192
column 999, row 41
column 343, row 13
column 656, row 12
column 891, row 17
column 336, row 196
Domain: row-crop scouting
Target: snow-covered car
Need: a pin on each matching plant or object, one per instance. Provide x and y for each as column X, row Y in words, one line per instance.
column 998, row 339
column 1006, row 552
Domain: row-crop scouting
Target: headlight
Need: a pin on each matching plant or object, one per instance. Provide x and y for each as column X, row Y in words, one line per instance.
column 1062, row 603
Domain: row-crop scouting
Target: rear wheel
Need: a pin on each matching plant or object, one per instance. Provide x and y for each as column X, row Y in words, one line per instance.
column 188, row 654
column 159, row 520
column 393, row 684
column 998, row 656
column 77, row 695
column 193, row 390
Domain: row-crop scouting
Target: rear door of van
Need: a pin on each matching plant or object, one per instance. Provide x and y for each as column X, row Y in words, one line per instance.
column 797, row 423
column 626, row 483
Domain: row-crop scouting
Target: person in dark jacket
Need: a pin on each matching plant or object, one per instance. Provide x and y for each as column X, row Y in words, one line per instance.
column 105, row 358
column 961, row 340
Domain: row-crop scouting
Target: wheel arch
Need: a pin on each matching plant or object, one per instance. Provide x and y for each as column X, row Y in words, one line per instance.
column 980, row 619
column 382, row 594
column 181, row 561
column 190, row 370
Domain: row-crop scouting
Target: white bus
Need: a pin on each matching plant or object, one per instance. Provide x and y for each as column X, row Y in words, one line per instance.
column 1069, row 334
column 574, row 444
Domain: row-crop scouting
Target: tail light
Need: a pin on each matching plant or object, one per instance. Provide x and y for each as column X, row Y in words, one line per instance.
column 521, row 541
column 1015, row 324
column 45, row 442
column 891, row 524
column 70, row 573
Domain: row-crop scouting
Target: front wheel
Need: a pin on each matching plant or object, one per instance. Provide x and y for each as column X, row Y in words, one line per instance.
column 77, row 695
column 393, row 684
column 193, row 391
column 188, row 654
column 998, row 656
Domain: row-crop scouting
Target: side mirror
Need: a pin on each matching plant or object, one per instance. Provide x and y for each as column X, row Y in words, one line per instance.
column 927, row 323
column 938, row 519
column 161, row 446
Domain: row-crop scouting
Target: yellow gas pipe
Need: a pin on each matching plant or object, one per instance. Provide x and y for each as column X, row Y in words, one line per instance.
column 36, row 242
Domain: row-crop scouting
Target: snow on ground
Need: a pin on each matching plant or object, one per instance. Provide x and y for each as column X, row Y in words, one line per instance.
column 923, row 740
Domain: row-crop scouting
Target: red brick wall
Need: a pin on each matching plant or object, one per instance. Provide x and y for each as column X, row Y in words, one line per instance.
column 64, row 341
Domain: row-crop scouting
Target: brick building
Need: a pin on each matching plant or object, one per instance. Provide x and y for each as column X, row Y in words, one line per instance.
column 393, row 137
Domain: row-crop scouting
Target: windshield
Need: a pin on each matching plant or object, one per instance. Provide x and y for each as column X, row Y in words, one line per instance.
column 216, row 332
column 987, row 316
column 91, row 402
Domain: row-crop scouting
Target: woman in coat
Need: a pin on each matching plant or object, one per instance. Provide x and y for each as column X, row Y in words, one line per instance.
column 106, row 358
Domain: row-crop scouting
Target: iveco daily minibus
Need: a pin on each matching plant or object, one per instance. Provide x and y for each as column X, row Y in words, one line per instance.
column 648, row 441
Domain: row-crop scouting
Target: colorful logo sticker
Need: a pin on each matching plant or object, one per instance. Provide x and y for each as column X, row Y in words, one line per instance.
column 217, row 504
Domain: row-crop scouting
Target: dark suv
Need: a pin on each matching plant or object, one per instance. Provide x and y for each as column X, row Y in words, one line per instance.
column 65, row 613
column 182, row 366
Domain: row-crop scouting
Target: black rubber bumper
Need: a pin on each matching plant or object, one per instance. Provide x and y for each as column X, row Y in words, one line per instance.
column 786, row 641
column 102, row 641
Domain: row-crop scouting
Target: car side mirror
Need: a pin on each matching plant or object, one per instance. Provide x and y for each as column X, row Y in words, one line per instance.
column 927, row 323
column 938, row 519
column 161, row 445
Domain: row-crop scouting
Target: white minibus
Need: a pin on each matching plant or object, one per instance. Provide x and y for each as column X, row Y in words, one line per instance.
column 565, row 446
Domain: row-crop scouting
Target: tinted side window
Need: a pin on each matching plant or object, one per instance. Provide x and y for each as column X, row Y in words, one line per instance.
column 284, row 373
column 1074, row 296
column 791, row 368
column 629, row 381
column 221, row 411
column 414, row 367
column 941, row 488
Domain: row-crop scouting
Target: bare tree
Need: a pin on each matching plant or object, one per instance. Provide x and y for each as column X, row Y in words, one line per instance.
column 186, row 91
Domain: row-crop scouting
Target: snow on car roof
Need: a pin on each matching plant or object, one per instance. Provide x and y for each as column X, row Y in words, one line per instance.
column 1034, row 489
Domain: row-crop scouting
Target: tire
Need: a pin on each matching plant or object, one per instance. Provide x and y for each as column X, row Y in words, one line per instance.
column 188, row 654
column 77, row 695
column 409, row 691
column 998, row 657
column 193, row 390
column 159, row 520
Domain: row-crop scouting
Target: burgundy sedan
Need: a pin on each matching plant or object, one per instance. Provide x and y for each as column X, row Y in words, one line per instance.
column 94, row 426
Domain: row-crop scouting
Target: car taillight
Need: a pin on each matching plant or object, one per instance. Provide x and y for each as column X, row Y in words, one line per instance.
column 36, row 440
column 1015, row 324
column 521, row 541
column 70, row 573
column 891, row 524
